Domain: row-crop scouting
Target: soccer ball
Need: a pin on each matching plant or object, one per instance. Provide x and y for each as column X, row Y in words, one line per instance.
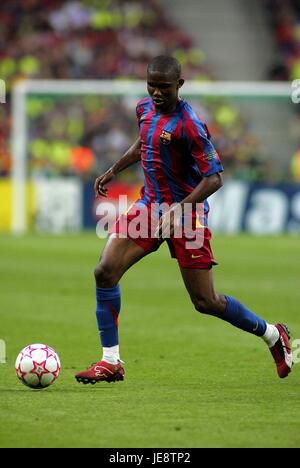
column 37, row 366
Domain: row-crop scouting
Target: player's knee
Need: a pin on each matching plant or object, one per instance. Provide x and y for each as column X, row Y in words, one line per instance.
column 105, row 276
column 204, row 305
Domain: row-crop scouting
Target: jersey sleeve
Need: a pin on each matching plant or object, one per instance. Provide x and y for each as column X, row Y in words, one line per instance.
column 139, row 112
column 202, row 150
column 140, row 107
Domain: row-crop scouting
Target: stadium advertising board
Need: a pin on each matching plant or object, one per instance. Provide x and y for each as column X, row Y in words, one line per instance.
column 256, row 208
column 58, row 205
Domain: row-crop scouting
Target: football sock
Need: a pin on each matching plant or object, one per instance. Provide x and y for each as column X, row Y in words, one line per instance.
column 241, row 317
column 107, row 313
column 271, row 335
column 111, row 354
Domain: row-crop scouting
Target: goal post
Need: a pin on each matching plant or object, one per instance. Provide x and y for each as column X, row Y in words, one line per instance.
column 137, row 89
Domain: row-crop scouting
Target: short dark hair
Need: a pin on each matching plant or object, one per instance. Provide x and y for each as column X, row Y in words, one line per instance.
column 165, row 64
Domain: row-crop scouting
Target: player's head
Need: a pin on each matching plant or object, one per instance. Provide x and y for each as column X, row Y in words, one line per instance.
column 163, row 82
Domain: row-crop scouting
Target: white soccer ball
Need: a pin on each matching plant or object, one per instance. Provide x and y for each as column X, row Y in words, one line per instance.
column 37, row 366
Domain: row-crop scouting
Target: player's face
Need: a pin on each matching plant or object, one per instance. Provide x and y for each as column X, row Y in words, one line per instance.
column 163, row 89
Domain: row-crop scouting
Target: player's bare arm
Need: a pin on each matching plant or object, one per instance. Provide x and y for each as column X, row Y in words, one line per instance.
column 132, row 155
column 203, row 190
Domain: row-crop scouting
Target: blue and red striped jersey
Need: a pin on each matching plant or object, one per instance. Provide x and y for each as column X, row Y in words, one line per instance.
column 177, row 152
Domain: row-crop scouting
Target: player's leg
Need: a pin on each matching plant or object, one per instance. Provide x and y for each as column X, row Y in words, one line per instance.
column 200, row 286
column 118, row 255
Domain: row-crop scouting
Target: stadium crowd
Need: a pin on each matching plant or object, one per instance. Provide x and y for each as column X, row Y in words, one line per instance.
column 103, row 39
column 284, row 19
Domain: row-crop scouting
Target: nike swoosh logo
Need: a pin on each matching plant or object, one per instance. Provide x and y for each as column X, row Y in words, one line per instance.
column 254, row 329
column 196, row 256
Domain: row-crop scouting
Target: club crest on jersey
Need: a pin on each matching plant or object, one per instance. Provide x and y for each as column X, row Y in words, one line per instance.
column 165, row 137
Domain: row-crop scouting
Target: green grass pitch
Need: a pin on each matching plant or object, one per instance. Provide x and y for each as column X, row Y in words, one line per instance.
column 191, row 380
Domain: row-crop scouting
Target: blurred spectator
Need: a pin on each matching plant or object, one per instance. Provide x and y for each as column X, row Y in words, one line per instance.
column 284, row 19
column 295, row 166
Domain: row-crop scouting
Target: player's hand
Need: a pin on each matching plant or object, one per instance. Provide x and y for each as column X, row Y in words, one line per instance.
column 169, row 222
column 101, row 181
